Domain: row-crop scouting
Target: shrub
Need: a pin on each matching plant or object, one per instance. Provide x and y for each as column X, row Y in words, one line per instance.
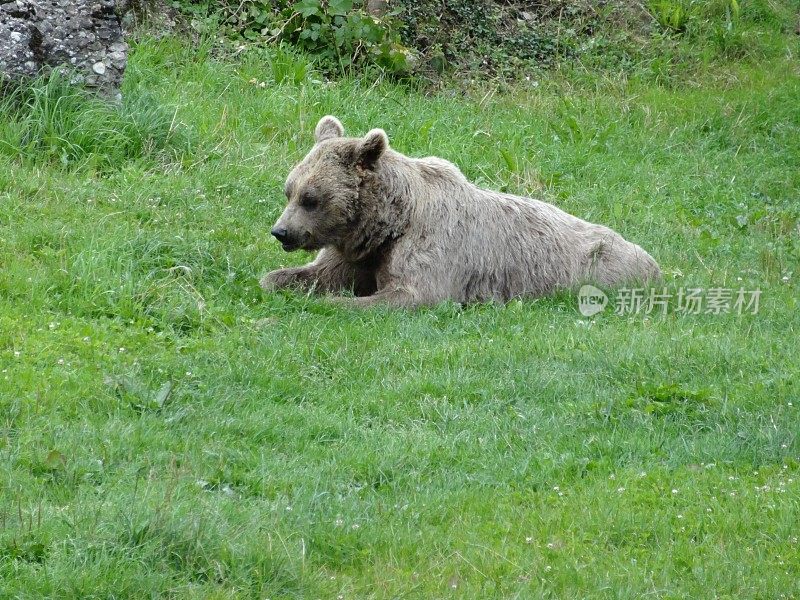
column 493, row 37
column 340, row 33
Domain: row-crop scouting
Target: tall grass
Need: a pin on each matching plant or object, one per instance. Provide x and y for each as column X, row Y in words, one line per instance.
column 51, row 121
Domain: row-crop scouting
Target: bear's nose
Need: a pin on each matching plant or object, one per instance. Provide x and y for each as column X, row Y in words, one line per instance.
column 280, row 234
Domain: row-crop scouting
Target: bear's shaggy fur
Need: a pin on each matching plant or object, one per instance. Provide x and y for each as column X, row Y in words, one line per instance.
column 408, row 232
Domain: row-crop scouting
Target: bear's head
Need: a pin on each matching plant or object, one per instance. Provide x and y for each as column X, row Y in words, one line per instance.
column 324, row 190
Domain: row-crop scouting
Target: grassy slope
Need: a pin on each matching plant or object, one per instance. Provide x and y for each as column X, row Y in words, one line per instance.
column 311, row 451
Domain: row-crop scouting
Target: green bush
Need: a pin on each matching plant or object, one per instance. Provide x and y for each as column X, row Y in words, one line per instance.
column 339, row 33
column 503, row 38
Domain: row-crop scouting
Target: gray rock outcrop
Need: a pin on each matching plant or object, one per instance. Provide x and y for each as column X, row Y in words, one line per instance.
column 84, row 37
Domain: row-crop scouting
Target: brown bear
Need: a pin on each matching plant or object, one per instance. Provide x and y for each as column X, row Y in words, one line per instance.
column 407, row 232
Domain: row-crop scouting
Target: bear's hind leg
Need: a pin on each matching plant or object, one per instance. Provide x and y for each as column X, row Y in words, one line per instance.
column 615, row 261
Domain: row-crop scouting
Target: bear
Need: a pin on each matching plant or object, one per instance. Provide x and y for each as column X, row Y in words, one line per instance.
column 408, row 232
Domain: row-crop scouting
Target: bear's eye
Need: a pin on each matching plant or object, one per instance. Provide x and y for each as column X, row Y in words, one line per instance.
column 309, row 201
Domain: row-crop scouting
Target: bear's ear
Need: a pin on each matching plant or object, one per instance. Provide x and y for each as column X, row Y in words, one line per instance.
column 371, row 148
column 327, row 128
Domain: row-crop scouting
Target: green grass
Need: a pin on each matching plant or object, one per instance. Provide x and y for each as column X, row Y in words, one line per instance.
column 167, row 430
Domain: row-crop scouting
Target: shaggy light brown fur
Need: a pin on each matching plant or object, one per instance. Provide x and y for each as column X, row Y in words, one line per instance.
column 410, row 232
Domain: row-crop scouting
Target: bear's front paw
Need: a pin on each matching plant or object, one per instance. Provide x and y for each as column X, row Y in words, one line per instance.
column 283, row 278
column 276, row 280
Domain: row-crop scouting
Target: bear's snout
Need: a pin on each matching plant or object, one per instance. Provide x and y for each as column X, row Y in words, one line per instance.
column 289, row 240
column 281, row 234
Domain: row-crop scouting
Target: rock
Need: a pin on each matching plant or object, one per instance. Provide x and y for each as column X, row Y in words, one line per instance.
column 377, row 8
column 82, row 37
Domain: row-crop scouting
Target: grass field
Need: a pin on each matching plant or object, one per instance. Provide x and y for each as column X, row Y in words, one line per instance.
column 168, row 430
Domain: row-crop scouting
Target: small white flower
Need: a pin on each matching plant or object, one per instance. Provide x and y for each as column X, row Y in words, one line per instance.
column 674, row 491
column 355, row 526
column 121, row 350
column 61, row 361
column 288, row 509
column 529, row 540
column 621, row 489
column 16, row 353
